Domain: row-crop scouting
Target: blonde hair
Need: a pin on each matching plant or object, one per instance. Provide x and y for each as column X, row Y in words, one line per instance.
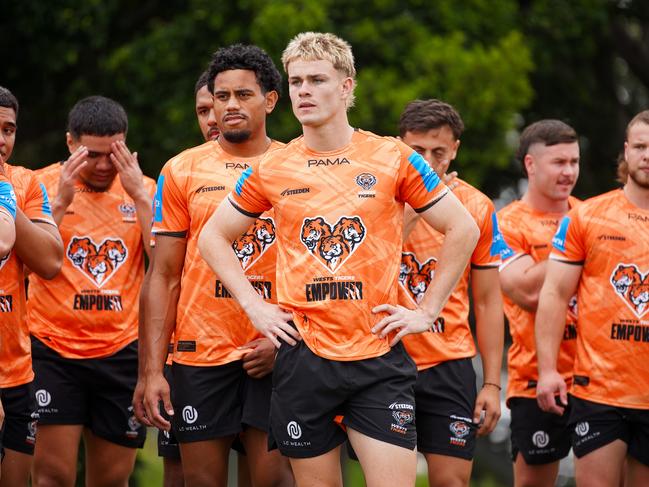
column 319, row 46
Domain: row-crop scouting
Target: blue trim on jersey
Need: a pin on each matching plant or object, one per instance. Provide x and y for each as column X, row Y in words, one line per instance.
column 430, row 178
column 157, row 200
column 45, row 208
column 242, row 179
column 498, row 244
column 8, row 198
column 559, row 239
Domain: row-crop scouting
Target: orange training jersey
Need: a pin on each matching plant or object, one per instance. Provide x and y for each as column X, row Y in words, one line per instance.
column 339, row 218
column 529, row 232
column 90, row 308
column 451, row 335
column 15, row 346
column 210, row 325
column 609, row 237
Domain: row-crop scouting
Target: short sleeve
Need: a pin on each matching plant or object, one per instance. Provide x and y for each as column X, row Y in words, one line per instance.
column 418, row 184
column 514, row 244
column 490, row 244
column 248, row 196
column 37, row 203
column 7, row 198
column 170, row 212
column 568, row 241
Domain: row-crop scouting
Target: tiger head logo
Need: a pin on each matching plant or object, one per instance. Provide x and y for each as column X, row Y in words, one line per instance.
column 97, row 263
column 632, row 287
column 332, row 245
column 250, row 246
column 414, row 277
column 366, row 180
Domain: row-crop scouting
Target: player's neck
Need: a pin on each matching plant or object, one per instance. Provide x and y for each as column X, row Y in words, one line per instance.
column 332, row 135
column 636, row 194
column 537, row 201
column 255, row 146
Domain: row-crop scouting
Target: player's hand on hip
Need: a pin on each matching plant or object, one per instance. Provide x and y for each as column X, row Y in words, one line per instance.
column 128, row 168
column 549, row 385
column 138, row 402
column 156, row 391
column 273, row 322
column 70, row 175
column 402, row 320
column 259, row 360
column 488, row 400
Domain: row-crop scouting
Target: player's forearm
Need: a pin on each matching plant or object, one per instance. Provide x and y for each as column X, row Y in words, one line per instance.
column 7, row 233
column 459, row 242
column 490, row 331
column 141, row 321
column 38, row 246
column 161, row 302
column 144, row 219
column 525, row 291
column 549, row 326
column 216, row 250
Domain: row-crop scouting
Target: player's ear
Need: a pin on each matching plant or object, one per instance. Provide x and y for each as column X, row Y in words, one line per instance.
column 271, row 101
column 456, row 146
column 528, row 162
column 347, row 87
column 71, row 142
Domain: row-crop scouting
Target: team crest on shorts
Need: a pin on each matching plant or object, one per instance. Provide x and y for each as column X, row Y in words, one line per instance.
column 632, row 287
column 415, row 277
column 250, row 246
column 459, row 429
column 332, row 245
column 97, row 262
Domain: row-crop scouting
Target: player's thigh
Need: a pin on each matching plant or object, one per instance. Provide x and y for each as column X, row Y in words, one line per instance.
column 637, row 473
column 267, row 468
column 601, row 467
column 172, row 472
column 321, row 471
column 384, row 464
column 15, row 468
column 542, row 475
column 108, row 464
column 55, row 455
column 205, row 463
column 448, row 471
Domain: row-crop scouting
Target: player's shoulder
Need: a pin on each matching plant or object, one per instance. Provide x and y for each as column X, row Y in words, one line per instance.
column 475, row 201
column 189, row 157
column 515, row 210
column 20, row 176
column 387, row 142
column 49, row 171
column 599, row 201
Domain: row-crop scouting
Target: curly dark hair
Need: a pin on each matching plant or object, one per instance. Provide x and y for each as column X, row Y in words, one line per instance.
column 8, row 100
column 253, row 58
column 97, row 115
column 202, row 81
column 425, row 115
column 548, row 132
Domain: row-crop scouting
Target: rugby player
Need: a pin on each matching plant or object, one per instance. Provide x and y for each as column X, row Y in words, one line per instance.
column 84, row 321
column 338, row 194
column 549, row 153
column 220, row 376
column 601, row 251
column 449, row 410
column 37, row 247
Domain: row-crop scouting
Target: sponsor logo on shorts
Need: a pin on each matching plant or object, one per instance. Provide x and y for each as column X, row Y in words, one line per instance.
column 32, row 427
column 133, row 424
column 294, row 430
column 540, row 439
column 190, row 415
column 43, row 398
column 459, row 429
column 582, row 428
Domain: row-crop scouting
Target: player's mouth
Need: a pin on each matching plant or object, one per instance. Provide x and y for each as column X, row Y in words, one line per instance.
column 306, row 105
column 234, row 118
column 213, row 133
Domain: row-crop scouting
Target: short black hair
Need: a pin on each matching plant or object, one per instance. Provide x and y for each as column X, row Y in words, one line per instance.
column 253, row 58
column 425, row 115
column 547, row 132
column 97, row 115
column 202, row 81
column 8, row 100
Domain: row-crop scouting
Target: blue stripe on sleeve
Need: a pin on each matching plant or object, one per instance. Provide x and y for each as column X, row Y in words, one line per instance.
column 559, row 239
column 242, row 179
column 8, row 198
column 45, row 208
column 498, row 244
column 430, row 178
column 157, row 200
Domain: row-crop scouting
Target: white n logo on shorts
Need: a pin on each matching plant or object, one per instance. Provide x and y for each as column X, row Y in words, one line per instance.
column 190, row 415
column 43, row 398
column 294, row 431
column 582, row 428
column 540, row 439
